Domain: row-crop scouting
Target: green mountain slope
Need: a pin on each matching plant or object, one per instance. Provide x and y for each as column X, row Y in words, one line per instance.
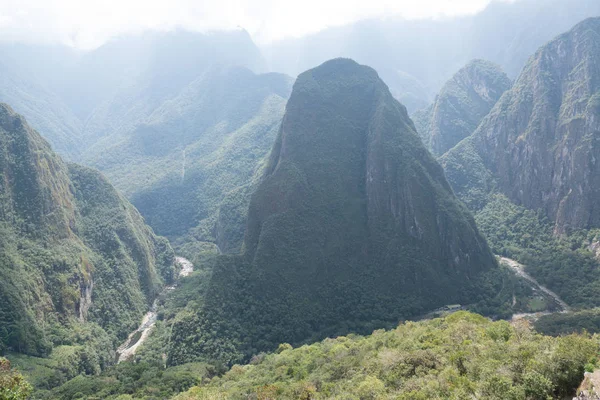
column 185, row 159
column 78, row 265
column 353, row 225
column 461, row 105
column 49, row 114
column 458, row 357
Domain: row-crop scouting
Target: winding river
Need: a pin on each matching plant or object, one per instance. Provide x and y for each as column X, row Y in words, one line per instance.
column 139, row 336
column 519, row 269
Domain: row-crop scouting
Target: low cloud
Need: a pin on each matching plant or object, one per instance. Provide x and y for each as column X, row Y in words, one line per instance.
column 89, row 23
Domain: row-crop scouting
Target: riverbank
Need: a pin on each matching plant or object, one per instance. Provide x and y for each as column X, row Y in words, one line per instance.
column 136, row 338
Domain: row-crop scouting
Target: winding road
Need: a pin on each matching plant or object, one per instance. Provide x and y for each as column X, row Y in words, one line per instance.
column 139, row 336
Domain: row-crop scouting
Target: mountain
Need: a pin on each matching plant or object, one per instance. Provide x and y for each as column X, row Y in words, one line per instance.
column 461, row 105
column 78, row 265
column 178, row 121
column 352, row 226
column 180, row 164
column 430, row 51
column 132, row 76
column 49, row 114
column 77, row 98
column 539, row 144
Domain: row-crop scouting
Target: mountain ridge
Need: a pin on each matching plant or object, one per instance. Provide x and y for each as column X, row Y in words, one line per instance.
column 76, row 256
column 539, row 141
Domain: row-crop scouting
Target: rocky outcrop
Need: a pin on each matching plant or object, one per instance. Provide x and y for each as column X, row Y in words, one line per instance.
column 541, row 141
column 461, row 105
column 589, row 388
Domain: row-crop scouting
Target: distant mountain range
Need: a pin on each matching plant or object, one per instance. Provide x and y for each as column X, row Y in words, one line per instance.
column 416, row 57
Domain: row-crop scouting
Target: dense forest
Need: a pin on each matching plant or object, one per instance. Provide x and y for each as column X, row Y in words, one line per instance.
column 458, row 357
column 370, row 211
column 78, row 265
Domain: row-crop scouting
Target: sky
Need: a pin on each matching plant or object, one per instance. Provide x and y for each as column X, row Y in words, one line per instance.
column 89, row 23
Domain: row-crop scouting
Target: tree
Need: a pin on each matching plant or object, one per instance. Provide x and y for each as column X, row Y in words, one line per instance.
column 13, row 385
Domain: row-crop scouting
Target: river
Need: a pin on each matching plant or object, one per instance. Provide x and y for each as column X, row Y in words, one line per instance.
column 139, row 336
column 519, row 269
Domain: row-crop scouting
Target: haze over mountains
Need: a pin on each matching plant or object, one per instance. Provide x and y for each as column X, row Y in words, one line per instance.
column 139, row 100
column 415, row 58
column 364, row 192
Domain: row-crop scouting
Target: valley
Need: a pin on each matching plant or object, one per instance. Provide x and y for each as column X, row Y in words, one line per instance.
column 391, row 208
column 138, row 337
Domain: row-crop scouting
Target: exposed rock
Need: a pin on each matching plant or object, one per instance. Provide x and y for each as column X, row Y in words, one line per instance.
column 590, row 387
column 461, row 105
column 541, row 141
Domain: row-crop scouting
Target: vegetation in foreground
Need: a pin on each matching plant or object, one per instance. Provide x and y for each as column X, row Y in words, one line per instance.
column 461, row 356
column 13, row 385
column 128, row 380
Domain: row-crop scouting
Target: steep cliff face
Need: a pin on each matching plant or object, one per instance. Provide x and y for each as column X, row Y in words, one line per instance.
column 72, row 249
column 352, row 226
column 348, row 153
column 461, row 105
column 541, row 142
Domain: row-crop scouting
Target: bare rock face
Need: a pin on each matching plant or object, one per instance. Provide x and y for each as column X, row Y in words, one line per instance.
column 541, row 141
column 461, row 105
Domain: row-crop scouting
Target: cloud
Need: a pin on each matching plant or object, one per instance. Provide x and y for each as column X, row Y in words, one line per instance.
column 89, row 23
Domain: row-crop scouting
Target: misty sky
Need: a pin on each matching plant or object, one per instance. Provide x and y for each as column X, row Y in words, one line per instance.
column 88, row 23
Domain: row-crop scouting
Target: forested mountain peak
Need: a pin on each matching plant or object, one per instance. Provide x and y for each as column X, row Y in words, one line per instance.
column 345, row 144
column 353, row 224
column 461, row 105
